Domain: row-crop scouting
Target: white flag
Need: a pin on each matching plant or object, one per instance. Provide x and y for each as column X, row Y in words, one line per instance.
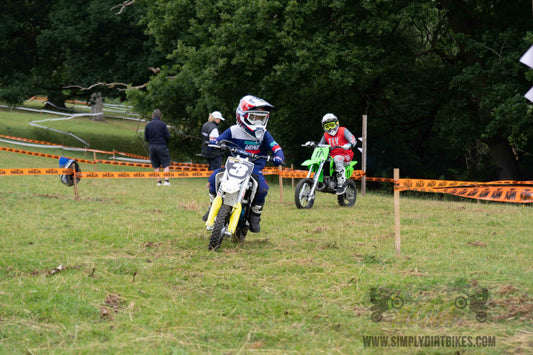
column 360, row 138
column 529, row 95
column 360, row 149
column 527, row 58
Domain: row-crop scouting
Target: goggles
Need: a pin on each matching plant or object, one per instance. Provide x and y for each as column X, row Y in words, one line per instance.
column 257, row 118
column 330, row 125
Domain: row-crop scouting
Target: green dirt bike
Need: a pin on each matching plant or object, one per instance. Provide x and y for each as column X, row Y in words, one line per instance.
column 324, row 179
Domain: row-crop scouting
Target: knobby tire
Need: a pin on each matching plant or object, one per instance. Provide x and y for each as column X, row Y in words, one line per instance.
column 221, row 220
column 305, row 185
column 348, row 198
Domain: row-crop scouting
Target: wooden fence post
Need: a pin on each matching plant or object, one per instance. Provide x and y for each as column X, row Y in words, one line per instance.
column 280, row 183
column 397, row 239
column 75, row 179
column 363, row 162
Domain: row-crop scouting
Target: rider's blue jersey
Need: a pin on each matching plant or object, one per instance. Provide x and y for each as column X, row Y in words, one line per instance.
column 252, row 145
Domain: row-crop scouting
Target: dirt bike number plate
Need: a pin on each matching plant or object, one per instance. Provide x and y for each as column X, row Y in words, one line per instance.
column 320, row 153
column 238, row 168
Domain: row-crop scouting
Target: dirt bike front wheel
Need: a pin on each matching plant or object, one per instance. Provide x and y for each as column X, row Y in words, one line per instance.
column 302, row 195
column 348, row 198
column 221, row 220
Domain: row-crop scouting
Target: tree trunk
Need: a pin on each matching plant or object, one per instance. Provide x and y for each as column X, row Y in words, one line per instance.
column 56, row 100
column 97, row 106
column 504, row 159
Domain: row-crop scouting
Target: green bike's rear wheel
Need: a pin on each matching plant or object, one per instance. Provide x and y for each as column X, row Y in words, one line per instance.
column 302, row 194
column 348, row 198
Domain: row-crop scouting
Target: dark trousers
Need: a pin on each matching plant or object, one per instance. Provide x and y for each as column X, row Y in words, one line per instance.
column 215, row 163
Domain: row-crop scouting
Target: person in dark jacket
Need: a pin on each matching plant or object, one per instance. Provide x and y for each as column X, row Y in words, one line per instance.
column 157, row 135
column 210, row 131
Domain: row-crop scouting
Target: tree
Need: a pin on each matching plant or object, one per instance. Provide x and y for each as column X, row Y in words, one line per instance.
column 442, row 90
column 57, row 48
column 489, row 109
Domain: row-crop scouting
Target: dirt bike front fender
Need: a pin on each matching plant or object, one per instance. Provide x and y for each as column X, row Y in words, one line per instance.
column 309, row 162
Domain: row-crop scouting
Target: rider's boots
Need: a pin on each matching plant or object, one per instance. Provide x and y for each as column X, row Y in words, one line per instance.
column 341, row 182
column 255, row 218
column 211, row 198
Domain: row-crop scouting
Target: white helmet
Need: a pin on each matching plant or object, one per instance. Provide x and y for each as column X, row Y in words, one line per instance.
column 330, row 124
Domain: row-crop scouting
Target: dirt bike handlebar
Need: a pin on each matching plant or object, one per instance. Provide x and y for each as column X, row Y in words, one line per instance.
column 314, row 144
column 234, row 151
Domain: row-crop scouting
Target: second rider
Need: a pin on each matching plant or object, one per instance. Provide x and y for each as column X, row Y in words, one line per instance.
column 344, row 140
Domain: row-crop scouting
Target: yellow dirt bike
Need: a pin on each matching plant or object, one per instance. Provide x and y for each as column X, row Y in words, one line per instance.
column 236, row 187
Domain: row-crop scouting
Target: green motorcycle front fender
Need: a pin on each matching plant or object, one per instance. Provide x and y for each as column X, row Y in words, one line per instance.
column 348, row 171
column 350, row 168
column 320, row 154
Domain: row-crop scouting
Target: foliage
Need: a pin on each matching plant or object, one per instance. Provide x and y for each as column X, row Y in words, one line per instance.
column 408, row 66
column 48, row 46
column 112, row 134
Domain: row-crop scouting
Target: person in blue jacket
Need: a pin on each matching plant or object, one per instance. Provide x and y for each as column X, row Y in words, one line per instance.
column 250, row 134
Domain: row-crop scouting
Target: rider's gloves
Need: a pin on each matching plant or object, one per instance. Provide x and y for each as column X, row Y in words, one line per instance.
column 277, row 161
column 346, row 146
column 212, row 141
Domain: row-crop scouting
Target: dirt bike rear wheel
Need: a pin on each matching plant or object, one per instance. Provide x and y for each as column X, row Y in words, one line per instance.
column 348, row 198
column 301, row 195
column 217, row 235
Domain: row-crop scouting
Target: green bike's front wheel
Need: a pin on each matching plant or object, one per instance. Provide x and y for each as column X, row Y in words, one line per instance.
column 302, row 195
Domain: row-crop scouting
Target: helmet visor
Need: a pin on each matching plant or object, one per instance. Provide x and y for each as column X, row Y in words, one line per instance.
column 257, row 118
column 330, row 125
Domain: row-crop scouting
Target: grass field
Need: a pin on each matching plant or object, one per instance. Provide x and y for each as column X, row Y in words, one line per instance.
column 114, row 133
column 125, row 269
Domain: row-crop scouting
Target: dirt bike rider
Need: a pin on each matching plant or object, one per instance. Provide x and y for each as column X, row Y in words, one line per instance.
column 250, row 134
column 334, row 135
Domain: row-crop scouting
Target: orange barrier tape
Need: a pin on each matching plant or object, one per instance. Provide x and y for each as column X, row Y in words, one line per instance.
column 176, row 166
column 300, row 174
column 142, row 174
column 35, row 172
column 136, row 156
column 430, row 185
column 60, row 145
column 12, row 150
column 438, row 185
column 517, row 194
column 103, row 174
column 26, row 140
column 490, row 191
column 379, row 179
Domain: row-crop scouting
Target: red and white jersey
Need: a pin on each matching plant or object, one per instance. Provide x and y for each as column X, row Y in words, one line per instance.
column 343, row 136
